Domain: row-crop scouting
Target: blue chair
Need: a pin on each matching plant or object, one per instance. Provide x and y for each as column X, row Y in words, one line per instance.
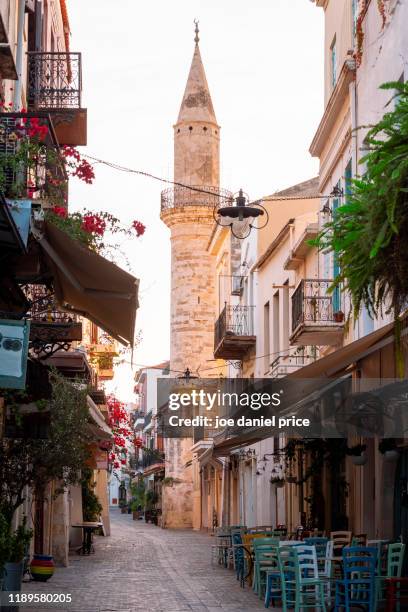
column 357, row 587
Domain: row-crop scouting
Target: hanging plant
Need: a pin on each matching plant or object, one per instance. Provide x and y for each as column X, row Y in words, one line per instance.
column 369, row 233
column 88, row 227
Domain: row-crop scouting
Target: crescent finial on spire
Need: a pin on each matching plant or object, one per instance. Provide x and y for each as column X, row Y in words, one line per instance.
column 196, row 38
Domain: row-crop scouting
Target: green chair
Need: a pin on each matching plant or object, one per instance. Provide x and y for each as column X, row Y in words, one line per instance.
column 302, row 588
column 395, row 560
column 264, row 558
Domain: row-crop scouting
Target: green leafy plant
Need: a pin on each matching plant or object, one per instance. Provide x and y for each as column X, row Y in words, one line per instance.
column 138, row 491
column 28, row 462
column 151, row 498
column 18, row 542
column 91, row 506
column 369, row 233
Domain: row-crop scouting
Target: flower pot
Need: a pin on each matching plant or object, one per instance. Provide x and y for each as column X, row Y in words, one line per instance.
column 13, row 575
column 359, row 459
column 338, row 316
column 42, row 567
column 123, row 510
column 391, row 455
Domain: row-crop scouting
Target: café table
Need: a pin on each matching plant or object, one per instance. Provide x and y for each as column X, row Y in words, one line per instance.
column 88, row 527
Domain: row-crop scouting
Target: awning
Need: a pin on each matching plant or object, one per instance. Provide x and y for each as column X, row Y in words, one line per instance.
column 98, row 428
column 97, row 416
column 89, row 285
column 154, row 469
column 330, row 367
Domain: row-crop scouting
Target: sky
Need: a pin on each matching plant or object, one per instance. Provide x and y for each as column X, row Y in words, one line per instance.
column 264, row 66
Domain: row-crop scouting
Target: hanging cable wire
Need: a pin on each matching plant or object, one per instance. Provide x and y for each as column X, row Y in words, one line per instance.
column 270, row 198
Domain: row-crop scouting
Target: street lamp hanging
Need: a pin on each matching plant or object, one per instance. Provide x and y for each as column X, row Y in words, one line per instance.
column 241, row 215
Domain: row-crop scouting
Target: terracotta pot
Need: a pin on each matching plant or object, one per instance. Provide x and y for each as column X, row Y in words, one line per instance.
column 338, row 316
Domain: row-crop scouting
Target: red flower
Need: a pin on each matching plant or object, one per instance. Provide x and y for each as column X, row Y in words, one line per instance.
column 116, row 464
column 123, row 461
column 60, row 211
column 139, row 228
column 93, row 224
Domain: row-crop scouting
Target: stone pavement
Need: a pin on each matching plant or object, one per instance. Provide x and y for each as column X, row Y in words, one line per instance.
column 143, row 567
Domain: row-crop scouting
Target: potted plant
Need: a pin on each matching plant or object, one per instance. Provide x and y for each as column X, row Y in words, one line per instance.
column 151, row 498
column 388, row 448
column 357, row 454
column 138, row 500
column 123, row 506
column 338, row 316
column 18, row 542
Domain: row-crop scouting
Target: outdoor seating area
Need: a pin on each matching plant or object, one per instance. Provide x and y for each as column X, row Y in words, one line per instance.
column 314, row 570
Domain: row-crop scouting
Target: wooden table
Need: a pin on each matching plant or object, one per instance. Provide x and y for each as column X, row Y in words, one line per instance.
column 88, row 527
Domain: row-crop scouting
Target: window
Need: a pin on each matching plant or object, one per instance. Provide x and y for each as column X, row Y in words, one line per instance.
column 333, row 63
column 285, row 315
column 276, row 326
column 354, row 13
column 336, row 295
column 267, row 339
column 348, row 175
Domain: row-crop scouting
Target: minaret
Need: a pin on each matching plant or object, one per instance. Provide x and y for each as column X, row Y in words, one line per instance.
column 189, row 215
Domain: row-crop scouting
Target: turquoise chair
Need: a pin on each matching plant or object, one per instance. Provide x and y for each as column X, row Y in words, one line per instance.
column 395, row 560
column 264, row 555
column 302, row 587
column 357, row 587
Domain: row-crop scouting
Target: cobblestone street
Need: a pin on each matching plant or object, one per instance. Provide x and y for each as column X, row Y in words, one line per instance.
column 142, row 567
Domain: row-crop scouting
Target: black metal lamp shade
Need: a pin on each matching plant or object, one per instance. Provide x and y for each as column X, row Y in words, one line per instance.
column 240, row 217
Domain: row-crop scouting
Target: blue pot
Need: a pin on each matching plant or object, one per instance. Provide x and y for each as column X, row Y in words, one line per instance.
column 12, row 576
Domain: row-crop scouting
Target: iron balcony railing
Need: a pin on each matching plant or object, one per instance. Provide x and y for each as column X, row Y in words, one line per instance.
column 43, row 307
column 152, row 456
column 54, row 80
column 234, row 321
column 28, row 171
column 195, row 195
column 312, row 303
column 285, row 364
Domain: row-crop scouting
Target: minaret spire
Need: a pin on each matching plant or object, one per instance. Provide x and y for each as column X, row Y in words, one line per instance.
column 196, row 38
column 197, row 104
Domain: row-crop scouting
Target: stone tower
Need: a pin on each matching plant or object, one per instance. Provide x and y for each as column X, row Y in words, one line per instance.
column 189, row 215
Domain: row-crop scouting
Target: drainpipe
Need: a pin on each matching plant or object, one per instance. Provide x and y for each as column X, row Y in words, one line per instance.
column 353, row 112
column 19, row 56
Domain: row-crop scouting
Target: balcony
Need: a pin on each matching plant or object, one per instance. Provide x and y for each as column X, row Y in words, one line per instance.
column 102, row 359
column 317, row 316
column 233, row 332
column 31, row 165
column 51, row 330
column 54, row 85
column 286, row 364
column 152, row 457
column 206, row 195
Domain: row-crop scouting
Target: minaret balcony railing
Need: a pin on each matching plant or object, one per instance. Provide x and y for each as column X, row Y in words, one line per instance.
column 195, row 195
column 233, row 332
